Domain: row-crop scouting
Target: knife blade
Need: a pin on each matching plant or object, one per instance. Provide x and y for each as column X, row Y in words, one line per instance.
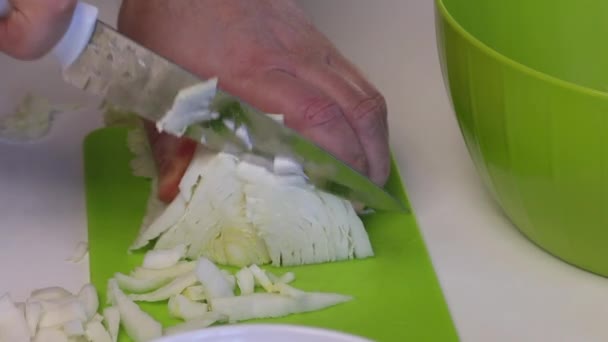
column 135, row 79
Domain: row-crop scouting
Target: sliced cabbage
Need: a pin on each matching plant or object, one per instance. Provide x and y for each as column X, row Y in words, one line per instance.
column 95, row 332
column 195, row 293
column 111, row 317
column 54, row 304
column 286, row 278
column 13, row 326
column 213, row 280
column 163, row 258
column 154, row 208
column 30, row 121
column 69, row 311
column 174, row 287
column 192, row 175
column 140, row 285
column 97, row 317
column 50, row 335
column 33, row 314
column 143, row 165
column 230, row 278
column 297, row 231
column 169, row 272
column 168, row 217
column 79, row 252
column 270, row 305
column 245, row 280
column 174, row 236
column 206, row 320
column 73, row 328
column 191, row 105
column 359, row 244
column 261, row 278
column 218, row 228
column 213, row 223
column 50, row 293
column 78, row 339
column 88, row 297
column 186, row 309
column 62, row 316
column 237, row 213
column 138, row 324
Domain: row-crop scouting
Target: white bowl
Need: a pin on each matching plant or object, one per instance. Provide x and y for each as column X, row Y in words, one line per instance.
column 262, row 333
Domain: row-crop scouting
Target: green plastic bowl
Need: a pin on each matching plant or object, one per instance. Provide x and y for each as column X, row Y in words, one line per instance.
column 528, row 81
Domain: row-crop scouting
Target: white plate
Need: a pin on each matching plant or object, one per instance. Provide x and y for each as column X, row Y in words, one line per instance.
column 263, row 333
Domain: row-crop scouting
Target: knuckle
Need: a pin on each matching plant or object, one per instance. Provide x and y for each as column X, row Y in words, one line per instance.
column 321, row 112
column 372, row 108
column 255, row 63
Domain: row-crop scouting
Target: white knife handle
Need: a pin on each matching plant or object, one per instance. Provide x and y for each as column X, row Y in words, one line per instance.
column 76, row 37
column 78, row 34
column 5, row 7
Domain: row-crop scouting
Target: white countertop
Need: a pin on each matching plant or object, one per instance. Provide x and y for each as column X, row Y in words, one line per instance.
column 499, row 286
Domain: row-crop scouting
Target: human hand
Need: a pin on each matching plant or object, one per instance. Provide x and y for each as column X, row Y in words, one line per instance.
column 32, row 27
column 268, row 53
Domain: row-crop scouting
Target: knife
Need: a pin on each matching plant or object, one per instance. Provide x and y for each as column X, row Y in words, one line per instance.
column 99, row 60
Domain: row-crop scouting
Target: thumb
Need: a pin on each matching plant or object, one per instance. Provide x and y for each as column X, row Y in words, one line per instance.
column 32, row 27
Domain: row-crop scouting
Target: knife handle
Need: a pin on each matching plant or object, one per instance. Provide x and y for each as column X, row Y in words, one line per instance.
column 77, row 35
column 5, row 7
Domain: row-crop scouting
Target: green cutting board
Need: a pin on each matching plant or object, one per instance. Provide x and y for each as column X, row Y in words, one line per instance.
column 397, row 295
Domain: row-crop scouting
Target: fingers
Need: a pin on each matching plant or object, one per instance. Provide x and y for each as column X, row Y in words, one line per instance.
column 33, row 27
column 351, row 73
column 307, row 109
column 172, row 156
column 363, row 106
